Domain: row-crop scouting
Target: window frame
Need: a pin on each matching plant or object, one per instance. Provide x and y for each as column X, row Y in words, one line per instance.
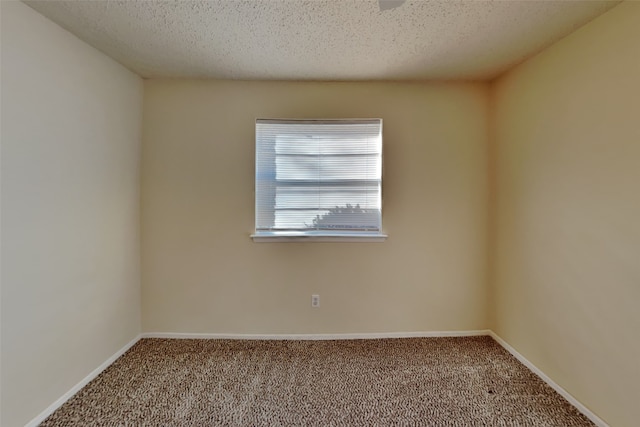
column 318, row 235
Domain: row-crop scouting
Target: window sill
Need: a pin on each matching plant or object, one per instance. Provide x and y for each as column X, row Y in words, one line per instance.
column 333, row 238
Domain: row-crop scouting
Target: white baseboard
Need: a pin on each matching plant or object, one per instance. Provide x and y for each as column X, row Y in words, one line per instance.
column 317, row 337
column 562, row 392
column 58, row 403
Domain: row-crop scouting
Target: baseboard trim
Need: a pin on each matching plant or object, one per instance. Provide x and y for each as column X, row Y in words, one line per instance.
column 561, row 391
column 76, row 388
column 317, row 337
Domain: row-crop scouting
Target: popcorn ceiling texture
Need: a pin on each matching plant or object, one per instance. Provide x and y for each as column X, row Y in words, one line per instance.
column 320, row 39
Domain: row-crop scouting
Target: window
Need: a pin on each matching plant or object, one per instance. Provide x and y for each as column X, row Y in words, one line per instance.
column 318, row 178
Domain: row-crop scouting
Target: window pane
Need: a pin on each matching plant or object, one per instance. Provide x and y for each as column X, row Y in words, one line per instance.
column 318, row 175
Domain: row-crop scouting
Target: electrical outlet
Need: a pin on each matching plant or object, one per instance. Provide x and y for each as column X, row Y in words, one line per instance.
column 315, row 301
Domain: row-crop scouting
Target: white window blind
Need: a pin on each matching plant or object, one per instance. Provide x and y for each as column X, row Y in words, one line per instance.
column 318, row 177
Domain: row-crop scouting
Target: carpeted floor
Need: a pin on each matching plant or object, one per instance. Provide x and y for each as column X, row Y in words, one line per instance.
column 470, row 381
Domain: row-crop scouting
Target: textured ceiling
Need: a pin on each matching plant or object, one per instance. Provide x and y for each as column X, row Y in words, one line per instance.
column 321, row 39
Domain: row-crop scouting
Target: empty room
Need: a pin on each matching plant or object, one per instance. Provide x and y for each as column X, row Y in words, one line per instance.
column 320, row 212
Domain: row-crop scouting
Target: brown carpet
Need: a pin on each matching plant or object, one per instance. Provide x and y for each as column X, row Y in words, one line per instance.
column 470, row 381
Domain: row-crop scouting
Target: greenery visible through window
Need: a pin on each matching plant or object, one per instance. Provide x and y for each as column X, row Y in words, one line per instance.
column 318, row 178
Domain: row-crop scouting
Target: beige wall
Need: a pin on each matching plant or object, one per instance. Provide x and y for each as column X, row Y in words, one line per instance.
column 568, row 183
column 70, row 211
column 202, row 272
